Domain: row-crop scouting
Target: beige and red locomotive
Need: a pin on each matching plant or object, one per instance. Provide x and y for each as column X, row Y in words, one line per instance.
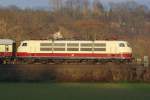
column 66, row 49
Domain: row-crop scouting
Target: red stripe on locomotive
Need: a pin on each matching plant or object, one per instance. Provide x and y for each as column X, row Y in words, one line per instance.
column 75, row 55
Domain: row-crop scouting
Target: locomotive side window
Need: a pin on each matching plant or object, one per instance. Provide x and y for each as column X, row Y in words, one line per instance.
column 99, row 49
column 86, row 44
column 59, row 49
column 86, row 49
column 100, row 44
column 59, row 44
column 24, row 44
column 45, row 44
column 72, row 44
column 72, row 49
column 45, row 49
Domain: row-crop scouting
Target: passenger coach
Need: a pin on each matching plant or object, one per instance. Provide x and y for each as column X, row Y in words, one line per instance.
column 7, row 48
column 64, row 49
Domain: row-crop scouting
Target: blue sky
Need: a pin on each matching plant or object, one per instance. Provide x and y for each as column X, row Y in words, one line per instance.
column 25, row 3
column 44, row 3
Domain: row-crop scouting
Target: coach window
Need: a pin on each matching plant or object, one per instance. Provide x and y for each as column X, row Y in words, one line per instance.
column 122, row 45
column 7, row 48
column 24, row 44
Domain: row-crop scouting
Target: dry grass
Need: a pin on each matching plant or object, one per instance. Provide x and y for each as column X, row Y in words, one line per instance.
column 75, row 73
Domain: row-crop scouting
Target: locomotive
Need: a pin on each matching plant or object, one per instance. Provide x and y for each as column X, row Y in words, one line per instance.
column 51, row 50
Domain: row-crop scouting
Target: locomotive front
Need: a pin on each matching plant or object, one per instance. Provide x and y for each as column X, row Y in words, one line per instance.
column 125, row 50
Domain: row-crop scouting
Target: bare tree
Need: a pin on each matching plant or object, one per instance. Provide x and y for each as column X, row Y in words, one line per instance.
column 86, row 7
column 98, row 8
column 56, row 4
column 3, row 26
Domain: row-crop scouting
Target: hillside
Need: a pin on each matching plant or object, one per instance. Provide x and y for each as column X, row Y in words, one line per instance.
column 121, row 22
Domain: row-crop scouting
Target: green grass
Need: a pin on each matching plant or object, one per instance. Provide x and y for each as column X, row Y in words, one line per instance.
column 74, row 91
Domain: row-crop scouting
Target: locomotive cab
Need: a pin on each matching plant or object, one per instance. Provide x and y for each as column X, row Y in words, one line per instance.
column 124, row 50
column 23, row 46
column 22, row 49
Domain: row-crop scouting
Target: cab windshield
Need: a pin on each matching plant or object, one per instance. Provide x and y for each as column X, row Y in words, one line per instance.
column 121, row 45
column 24, row 44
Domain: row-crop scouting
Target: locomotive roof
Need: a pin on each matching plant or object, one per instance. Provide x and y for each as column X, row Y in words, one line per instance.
column 6, row 41
column 74, row 41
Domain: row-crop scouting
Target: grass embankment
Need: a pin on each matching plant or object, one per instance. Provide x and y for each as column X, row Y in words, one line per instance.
column 75, row 73
column 74, row 91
